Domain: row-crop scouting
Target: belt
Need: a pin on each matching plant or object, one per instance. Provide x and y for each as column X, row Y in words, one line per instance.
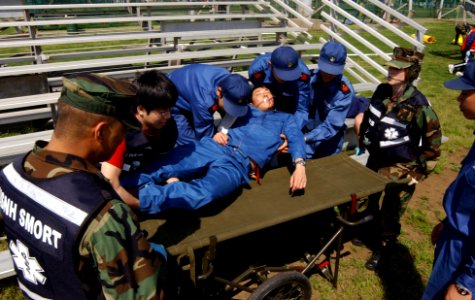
column 255, row 169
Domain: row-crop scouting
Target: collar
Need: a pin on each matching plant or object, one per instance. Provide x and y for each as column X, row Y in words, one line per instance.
column 68, row 161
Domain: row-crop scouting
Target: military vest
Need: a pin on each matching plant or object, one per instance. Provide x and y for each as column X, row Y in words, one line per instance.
column 390, row 135
column 44, row 221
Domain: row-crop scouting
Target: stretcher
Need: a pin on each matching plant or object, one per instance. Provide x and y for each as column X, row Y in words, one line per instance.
column 333, row 181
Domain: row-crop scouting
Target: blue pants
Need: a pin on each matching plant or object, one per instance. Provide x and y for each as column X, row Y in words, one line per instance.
column 210, row 172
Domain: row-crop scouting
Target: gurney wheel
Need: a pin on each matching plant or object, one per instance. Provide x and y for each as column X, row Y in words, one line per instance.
column 285, row 285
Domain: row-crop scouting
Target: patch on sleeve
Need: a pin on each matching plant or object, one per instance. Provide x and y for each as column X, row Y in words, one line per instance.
column 304, row 77
column 213, row 108
column 259, row 76
column 344, row 88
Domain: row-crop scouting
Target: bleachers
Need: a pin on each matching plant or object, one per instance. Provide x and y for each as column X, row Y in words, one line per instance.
column 121, row 39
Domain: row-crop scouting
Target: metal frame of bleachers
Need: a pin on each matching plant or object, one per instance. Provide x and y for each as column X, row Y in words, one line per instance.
column 167, row 35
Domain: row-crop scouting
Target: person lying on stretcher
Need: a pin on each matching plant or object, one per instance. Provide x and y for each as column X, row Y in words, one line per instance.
column 219, row 166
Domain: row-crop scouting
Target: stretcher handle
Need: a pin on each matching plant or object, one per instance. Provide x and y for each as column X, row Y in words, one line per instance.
column 366, row 219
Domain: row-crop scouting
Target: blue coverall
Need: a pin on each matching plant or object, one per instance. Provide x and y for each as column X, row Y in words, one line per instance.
column 223, row 169
column 291, row 96
column 454, row 258
column 197, row 100
column 325, row 129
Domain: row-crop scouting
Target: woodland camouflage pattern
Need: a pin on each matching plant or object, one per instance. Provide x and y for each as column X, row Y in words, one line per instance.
column 114, row 252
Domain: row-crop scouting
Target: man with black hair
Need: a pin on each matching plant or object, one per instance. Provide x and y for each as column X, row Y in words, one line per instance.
column 402, row 134
column 141, row 150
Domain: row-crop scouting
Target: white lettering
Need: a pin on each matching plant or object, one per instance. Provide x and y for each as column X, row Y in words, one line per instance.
column 38, row 229
column 21, row 221
column 57, row 235
column 26, row 220
column 8, row 207
column 29, row 223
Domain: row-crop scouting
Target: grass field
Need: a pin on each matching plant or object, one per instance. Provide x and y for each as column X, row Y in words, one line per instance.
column 413, row 258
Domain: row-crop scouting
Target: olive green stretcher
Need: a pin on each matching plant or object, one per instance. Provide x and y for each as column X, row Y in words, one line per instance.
column 330, row 182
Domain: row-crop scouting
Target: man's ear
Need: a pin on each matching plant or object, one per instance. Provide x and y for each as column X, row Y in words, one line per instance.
column 141, row 110
column 219, row 92
column 100, row 130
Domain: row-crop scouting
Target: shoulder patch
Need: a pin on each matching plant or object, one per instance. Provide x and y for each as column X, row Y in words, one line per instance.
column 344, row 88
column 304, row 77
column 213, row 108
column 259, row 76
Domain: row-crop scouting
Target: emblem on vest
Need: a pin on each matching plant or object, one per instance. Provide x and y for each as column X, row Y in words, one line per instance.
column 29, row 266
column 391, row 133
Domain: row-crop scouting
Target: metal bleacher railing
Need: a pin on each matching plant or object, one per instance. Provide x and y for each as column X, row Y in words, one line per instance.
column 120, row 39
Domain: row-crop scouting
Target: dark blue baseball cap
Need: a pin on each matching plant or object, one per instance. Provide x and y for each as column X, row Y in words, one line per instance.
column 332, row 58
column 236, row 93
column 466, row 81
column 285, row 63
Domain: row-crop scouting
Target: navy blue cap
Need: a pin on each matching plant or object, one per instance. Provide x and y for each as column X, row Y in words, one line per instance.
column 236, row 93
column 332, row 58
column 285, row 63
column 466, row 81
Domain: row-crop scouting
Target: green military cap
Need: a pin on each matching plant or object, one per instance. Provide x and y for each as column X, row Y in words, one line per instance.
column 403, row 58
column 101, row 95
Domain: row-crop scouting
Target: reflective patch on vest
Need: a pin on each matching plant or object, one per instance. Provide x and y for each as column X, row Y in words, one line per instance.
column 391, row 143
column 31, row 294
column 29, row 266
column 392, row 121
column 52, row 203
column 375, row 111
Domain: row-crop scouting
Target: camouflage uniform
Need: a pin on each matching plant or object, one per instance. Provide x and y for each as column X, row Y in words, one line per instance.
column 112, row 244
column 403, row 167
column 79, row 221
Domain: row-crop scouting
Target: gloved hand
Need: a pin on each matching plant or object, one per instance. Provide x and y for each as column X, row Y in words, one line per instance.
column 359, row 151
column 160, row 249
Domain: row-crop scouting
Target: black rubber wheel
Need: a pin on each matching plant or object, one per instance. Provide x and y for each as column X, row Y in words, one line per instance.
column 286, row 285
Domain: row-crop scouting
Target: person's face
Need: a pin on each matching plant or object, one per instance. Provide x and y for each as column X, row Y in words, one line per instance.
column 326, row 78
column 155, row 119
column 466, row 101
column 262, row 99
column 396, row 76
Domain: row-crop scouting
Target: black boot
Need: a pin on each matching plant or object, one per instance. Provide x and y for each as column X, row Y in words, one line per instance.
column 372, row 263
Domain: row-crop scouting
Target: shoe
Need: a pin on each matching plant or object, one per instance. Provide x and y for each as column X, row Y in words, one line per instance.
column 357, row 242
column 373, row 261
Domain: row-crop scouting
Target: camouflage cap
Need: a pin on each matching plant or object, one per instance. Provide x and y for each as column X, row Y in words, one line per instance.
column 101, row 95
column 403, row 58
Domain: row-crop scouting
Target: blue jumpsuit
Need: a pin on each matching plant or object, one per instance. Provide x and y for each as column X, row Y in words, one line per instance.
column 197, row 100
column 290, row 96
column 325, row 129
column 213, row 171
column 454, row 259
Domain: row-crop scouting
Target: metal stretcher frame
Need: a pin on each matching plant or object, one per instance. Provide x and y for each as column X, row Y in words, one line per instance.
column 331, row 181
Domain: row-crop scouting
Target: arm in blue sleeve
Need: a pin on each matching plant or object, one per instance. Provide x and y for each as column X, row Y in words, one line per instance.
column 334, row 121
column 303, row 104
column 295, row 138
column 202, row 120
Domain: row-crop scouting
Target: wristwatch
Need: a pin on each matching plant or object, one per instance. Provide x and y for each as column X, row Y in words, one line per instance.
column 462, row 290
column 301, row 162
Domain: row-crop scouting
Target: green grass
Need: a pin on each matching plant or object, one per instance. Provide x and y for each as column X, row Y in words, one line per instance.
column 411, row 261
